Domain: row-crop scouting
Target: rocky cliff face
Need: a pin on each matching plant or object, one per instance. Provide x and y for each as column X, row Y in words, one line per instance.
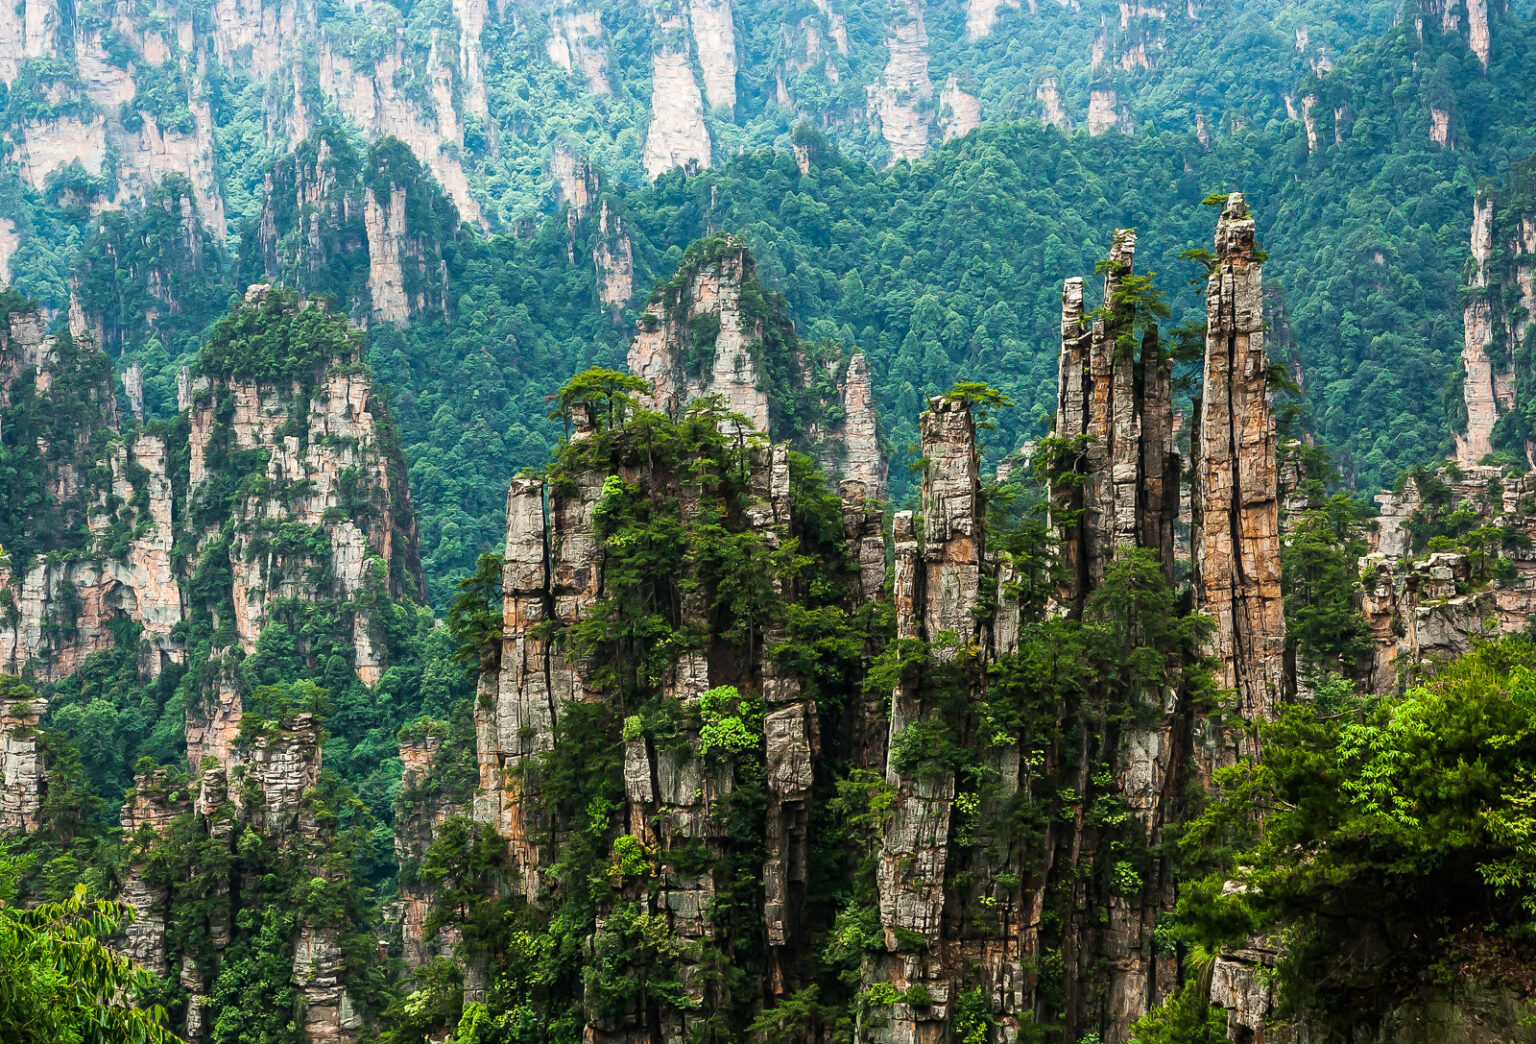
column 965, row 907
column 902, row 98
column 1500, row 293
column 250, row 40
column 324, row 515
column 1236, row 522
column 564, row 570
column 1426, row 606
column 677, row 136
column 196, row 841
column 1115, row 410
column 109, row 500
column 676, row 795
column 712, row 330
column 696, row 341
column 23, row 772
column 368, row 227
column 936, row 588
column 144, row 145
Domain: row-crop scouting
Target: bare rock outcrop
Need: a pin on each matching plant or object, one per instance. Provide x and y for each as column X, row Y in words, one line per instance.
column 981, row 16
column 614, row 259
column 1106, row 113
column 677, row 136
column 1499, row 295
column 694, row 340
column 959, row 110
column 1468, row 19
column 1115, row 413
column 862, row 459
column 576, row 43
column 1236, row 523
column 1487, row 394
column 23, row 772
column 1052, row 112
column 1116, row 487
column 714, row 40
column 937, row 588
column 902, row 98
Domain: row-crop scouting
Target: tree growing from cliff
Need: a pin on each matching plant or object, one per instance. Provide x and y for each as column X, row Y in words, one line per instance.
column 603, row 397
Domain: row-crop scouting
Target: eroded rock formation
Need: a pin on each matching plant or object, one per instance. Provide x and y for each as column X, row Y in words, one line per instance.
column 902, row 98
column 1115, row 413
column 694, row 339
column 23, row 772
column 1500, row 295
column 329, row 211
column 329, row 518
column 195, row 841
column 1236, row 524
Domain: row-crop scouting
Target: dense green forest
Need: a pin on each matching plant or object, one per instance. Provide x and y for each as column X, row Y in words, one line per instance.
column 944, row 270
column 1413, row 804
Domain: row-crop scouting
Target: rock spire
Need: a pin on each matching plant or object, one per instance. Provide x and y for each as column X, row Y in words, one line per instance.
column 1236, row 524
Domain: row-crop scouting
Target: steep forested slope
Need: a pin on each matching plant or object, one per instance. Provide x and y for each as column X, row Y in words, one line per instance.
column 1364, row 174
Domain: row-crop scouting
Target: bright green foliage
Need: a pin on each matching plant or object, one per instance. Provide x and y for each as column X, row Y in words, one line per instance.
column 1366, row 831
column 1320, row 573
column 1184, row 1018
column 60, row 984
column 604, row 397
column 279, row 342
column 732, row 725
column 475, row 615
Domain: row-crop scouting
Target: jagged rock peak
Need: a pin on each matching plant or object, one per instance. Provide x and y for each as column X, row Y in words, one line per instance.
column 712, row 329
column 1236, row 538
column 1114, row 417
column 695, row 339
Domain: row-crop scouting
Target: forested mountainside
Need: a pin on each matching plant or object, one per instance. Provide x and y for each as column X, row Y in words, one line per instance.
column 938, row 271
column 764, row 521
column 106, row 99
column 716, row 748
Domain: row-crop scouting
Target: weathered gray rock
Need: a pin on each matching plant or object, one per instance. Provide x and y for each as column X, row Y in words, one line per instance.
column 23, row 771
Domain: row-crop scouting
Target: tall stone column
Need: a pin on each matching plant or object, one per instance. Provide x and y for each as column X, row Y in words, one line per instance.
column 1237, row 534
column 1114, row 414
column 937, row 587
